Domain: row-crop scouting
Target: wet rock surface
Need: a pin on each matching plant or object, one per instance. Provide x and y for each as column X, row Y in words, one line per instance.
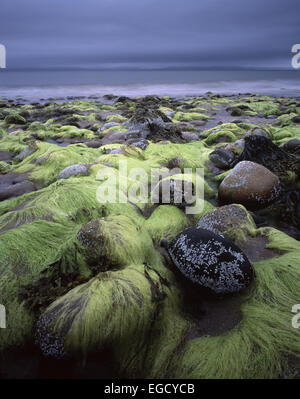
column 211, row 261
column 250, row 184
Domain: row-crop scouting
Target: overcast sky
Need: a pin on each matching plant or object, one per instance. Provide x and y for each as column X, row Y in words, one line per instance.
column 149, row 33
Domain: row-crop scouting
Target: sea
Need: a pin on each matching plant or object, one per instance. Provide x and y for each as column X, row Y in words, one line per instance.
column 36, row 85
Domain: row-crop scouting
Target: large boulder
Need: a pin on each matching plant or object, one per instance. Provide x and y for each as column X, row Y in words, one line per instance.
column 251, row 185
column 211, row 261
column 114, row 241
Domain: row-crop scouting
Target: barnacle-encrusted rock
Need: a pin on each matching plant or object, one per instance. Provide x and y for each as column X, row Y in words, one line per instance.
column 211, row 260
column 224, row 218
column 251, row 185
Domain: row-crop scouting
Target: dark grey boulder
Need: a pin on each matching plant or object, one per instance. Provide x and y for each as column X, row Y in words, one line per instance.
column 211, row 261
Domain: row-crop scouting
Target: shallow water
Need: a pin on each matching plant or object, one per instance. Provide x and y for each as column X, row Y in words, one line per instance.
column 38, row 84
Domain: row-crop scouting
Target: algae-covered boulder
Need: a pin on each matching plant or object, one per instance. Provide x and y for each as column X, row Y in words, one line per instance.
column 251, row 185
column 114, row 310
column 4, row 167
column 115, row 241
column 211, row 261
column 15, row 119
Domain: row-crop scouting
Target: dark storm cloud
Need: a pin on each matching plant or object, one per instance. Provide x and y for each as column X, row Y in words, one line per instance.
column 149, row 33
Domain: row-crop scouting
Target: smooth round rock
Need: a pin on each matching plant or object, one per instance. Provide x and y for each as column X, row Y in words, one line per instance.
column 211, row 261
column 190, row 136
column 292, row 146
column 74, row 170
column 251, row 185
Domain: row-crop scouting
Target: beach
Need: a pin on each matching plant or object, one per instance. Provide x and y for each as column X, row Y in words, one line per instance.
column 94, row 271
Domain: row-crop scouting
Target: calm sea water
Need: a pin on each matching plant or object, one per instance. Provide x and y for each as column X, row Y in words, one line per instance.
column 37, row 84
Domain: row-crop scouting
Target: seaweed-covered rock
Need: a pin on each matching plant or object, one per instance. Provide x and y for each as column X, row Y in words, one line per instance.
column 211, row 261
column 263, row 151
column 235, row 111
column 114, row 241
column 152, row 124
column 251, row 185
column 4, row 167
column 15, row 119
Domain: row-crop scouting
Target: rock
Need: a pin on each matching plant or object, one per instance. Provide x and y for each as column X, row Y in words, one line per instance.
column 222, row 158
column 114, row 138
column 4, row 167
column 116, row 151
column 211, row 261
column 257, row 132
column 190, row 136
column 114, row 241
column 140, row 143
column 223, row 218
column 236, row 147
column 153, row 124
column 296, row 119
column 15, row 119
column 108, row 125
column 13, row 185
column 262, row 150
column 236, row 111
column 236, row 224
column 175, row 191
column 5, row 156
column 123, row 99
column 93, row 144
column 292, row 146
column 28, row 151
column 251, row 185
column 74, row 170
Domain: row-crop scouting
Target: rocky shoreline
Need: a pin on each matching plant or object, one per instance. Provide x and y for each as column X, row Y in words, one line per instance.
column 138, row 290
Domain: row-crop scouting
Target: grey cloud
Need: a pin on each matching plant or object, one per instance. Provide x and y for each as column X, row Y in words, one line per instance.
column 97, row 33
